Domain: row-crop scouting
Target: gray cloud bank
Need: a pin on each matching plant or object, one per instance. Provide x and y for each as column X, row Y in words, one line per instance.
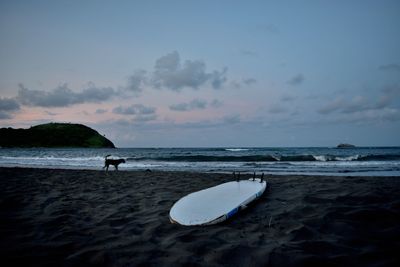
column 243, row 82
column 62, row 96
column 136, row 82
column 195, row 104
column 141, row 113
column 297, row 80
column 383, row 107
column 171, row 73
column 136, row 109
column 7, row 107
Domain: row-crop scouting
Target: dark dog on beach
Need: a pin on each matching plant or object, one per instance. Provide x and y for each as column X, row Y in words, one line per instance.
column 114, row 162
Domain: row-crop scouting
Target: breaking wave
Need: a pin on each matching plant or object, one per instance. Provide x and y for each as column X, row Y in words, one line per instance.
column 269, row 158
column 360, row 161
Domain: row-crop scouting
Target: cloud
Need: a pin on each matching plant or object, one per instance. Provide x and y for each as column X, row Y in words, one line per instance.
column 390, row 67
column 297, row 80
column 277, row 109
column 369, row 116
column 243, row 82
column 180, row 107
column 287, row 98
column 140, row 113
column 389, row 95
column 137, row 109
column 101, row 111
column 171, row 74
column 50, row 113
column 218, row 78
column 359, row 103
column 136, row 81
column 249, row 53
column 196, row 104
column 8, row 104
column 385, row 114
column 62, row 96
column 249, row 81
column 192, row 105
column 145, row 117
column 216, row 123
column 7, row 107
column 392, row 90
column 95, row 94
column 232, row 119
column 216, row 103
column 5, row 115
column 330, row 107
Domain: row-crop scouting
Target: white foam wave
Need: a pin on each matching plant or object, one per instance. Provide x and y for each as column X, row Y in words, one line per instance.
column 349, row 158
column 336, row 158
column 320, row 158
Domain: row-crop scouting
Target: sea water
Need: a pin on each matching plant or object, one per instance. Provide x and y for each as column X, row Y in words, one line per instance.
column 305, row 160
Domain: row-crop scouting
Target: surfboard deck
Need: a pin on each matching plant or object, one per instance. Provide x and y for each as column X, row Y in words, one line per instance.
column 216, row 204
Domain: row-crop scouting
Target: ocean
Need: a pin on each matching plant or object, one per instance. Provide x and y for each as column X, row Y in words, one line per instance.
column 382, row 161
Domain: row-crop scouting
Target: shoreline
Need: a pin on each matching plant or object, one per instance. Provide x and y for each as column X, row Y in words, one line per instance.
column 266, row 172
column 90, row 217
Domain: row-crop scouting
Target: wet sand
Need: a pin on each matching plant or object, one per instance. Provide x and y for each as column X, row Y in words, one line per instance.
column 91, row 218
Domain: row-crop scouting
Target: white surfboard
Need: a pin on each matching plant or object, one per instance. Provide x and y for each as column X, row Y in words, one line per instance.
column 216, row 204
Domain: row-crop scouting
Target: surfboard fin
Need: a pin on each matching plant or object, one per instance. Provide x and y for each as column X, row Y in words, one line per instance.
column 254, row 176
column 262, row 178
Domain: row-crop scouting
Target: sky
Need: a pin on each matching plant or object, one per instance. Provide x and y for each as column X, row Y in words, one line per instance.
column 205, row 73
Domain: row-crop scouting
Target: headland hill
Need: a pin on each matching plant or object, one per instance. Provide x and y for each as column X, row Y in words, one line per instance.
column 54, row 135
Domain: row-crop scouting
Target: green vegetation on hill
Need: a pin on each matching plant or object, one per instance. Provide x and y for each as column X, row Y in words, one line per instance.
column 54, row 135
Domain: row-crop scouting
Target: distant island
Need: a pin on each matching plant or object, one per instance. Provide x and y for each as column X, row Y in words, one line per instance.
column 345, row 146
column 54, row 135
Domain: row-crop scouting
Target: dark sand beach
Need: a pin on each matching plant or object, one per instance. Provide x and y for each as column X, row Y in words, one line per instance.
column 91, row 218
